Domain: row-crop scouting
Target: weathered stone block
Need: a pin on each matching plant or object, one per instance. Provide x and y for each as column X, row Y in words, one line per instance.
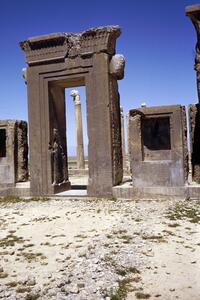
column 158, row 146
column 194, row 125
column 62, row 60
column 13, row 152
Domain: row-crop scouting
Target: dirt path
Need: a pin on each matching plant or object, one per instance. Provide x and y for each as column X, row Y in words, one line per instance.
column 78, row 249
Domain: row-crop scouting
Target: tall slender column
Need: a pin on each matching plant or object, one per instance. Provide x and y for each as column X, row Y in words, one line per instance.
column 128, row 141
column 79, row 130
column 193, row 12
column 123, row 137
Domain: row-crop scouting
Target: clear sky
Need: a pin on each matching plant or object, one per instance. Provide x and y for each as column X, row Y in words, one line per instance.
column 157, row 40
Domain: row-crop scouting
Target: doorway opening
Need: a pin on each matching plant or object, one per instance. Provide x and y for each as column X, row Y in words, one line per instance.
column 2, row 143
column 77, row 137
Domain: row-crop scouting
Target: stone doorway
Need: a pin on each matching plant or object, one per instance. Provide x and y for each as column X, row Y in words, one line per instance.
column 63, row 60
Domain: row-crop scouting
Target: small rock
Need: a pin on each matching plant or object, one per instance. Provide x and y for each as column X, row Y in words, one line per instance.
column 52, row 292
column 31, row 281
column 60, row 283
column 7, row 294
column 49, row 275
column 74, row 290
column 80, row 285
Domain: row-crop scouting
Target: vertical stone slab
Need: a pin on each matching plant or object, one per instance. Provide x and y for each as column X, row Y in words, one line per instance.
column 21, row 151
column 128, row 142
column 134, row 141
column 193, row 12
column 35, row 128
column 99, row 128
column 194, row 125
column 7, row 163
column 116, row 141
column 185, row 144
column 123, row 139
column 116, row 71
column 14, row 158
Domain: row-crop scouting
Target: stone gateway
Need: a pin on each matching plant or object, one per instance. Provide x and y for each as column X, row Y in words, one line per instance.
column 65, row 60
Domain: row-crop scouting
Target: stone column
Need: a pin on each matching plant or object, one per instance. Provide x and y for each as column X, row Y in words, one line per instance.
column 79, row 130
column 128, row 141
column 193, row 12
column 123, row 138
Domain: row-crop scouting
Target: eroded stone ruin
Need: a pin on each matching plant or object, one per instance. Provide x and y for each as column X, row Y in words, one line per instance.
column 13, row 152
column 157, row 146
column 157, row 136
column 61, row 60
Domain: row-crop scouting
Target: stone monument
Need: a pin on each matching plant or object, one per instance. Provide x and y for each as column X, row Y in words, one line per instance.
column 123, row 138
column 193, row 12
column 13, row 152
column 66, row 60
column 158, row 146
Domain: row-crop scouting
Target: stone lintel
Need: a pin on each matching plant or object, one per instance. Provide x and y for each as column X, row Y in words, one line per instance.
column 56, row 47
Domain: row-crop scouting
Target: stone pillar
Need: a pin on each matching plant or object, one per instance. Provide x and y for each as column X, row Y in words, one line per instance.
column 128, row 141
column 194, row 126
column 123, row 138
column 193, row 12
column 79, row 130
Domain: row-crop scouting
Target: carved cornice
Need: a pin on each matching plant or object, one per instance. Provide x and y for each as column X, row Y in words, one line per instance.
column 58, row 46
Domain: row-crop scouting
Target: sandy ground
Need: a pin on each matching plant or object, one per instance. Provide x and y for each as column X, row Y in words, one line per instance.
column 103, row 249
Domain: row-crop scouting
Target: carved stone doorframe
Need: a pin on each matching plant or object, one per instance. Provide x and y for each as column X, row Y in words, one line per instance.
column 62, row 60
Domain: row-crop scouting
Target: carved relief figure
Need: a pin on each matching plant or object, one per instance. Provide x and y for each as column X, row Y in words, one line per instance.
column 58, row 159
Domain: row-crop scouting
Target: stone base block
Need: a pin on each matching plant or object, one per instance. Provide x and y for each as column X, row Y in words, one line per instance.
column 150, row 193
column 194, row 192
column 58, row 188
column 16, row 192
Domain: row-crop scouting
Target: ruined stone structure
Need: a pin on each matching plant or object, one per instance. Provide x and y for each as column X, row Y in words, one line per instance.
column 123, row 138
column 194, row 126
column 13, row 152
column 62, row 60
column 193, row 12
column 158, row 146
column 79, row 130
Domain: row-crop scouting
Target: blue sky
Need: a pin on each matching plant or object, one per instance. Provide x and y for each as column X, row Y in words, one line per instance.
column 157, row 40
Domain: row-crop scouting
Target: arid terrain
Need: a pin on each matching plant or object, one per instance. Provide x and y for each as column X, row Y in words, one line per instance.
column 103, row 249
